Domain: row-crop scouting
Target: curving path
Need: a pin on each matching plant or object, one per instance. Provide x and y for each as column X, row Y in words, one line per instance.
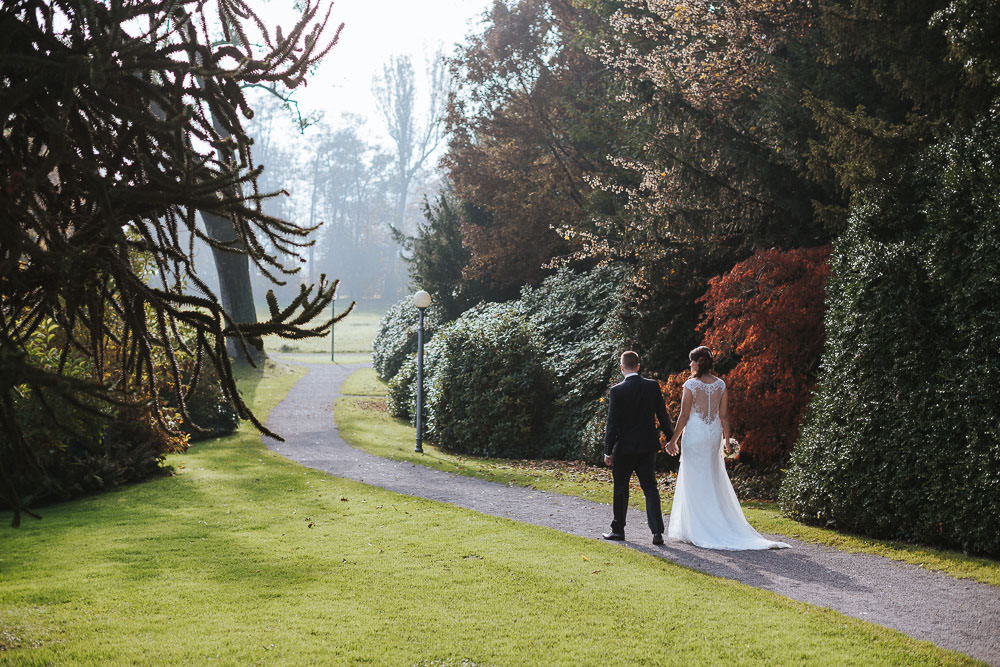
column 957, row 614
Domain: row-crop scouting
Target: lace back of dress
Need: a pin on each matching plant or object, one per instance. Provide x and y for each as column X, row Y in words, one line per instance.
column 705, row 398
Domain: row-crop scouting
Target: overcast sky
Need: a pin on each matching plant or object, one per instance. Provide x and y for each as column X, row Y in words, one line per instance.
column 374, row 31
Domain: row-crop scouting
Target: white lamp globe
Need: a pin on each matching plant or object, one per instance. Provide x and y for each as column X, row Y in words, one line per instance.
column 421, row 299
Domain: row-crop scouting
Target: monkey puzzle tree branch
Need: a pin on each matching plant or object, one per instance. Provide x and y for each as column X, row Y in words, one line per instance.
column 121, row 124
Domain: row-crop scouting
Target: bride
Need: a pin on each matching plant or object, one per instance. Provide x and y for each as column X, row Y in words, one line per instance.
column 705, row 511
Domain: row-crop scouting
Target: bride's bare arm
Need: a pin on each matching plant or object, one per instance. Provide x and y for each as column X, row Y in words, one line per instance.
column 681, row 421
column 724, row 418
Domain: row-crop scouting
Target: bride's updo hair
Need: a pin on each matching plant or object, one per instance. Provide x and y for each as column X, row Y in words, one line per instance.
column 702, row 356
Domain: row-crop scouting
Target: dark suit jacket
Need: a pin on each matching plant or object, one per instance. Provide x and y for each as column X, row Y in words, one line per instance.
column 632, row 406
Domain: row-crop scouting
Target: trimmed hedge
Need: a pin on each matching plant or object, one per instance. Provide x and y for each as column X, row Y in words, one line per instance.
column 396, row 338
column 578, row 317
column 491, row 392
column 902, row 438
column 562, row 337
column 401, row 399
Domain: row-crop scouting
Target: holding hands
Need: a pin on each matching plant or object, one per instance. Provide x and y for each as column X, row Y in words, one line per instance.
column 672, row 447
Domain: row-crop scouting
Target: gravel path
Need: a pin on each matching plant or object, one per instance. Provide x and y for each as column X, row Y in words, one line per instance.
column 957, row 614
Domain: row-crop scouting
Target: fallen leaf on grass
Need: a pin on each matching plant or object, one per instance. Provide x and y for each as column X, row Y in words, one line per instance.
column 584, row 557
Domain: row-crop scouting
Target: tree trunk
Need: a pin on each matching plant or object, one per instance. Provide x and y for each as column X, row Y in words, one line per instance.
column 233, row 268
column 234, row 286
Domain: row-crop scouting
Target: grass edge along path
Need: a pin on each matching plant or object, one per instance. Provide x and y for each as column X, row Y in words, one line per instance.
column 245, row 556
column 364, row 424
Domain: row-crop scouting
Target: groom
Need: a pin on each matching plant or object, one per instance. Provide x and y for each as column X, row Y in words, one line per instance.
column 631, row 441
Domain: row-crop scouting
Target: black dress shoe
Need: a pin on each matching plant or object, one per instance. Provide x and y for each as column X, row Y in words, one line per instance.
column 613, row 536
column 658, row 538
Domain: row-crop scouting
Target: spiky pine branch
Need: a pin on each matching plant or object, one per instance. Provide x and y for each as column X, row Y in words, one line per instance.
column 121, row 123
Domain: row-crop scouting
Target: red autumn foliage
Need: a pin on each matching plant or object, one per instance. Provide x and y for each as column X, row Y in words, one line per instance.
column 673, row 388
column 764, row 321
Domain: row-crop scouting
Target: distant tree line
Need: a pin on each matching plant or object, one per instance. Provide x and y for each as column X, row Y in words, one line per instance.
column 360, row 193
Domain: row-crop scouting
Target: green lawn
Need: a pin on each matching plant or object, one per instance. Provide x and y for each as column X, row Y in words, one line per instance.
column 323, row 357
column 354, row 333
column 244, row 557
column 364, row 423
column 363, row 383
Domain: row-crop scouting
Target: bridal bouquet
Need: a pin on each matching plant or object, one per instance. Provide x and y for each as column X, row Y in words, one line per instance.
column 732, row 449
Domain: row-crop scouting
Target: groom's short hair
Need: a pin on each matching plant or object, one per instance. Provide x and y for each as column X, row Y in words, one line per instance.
column 630, row 360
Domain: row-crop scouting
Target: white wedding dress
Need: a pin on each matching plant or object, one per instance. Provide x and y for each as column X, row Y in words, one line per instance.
column 706, row 512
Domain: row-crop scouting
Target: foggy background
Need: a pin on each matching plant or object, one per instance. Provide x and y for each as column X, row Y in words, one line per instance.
column 355, row 150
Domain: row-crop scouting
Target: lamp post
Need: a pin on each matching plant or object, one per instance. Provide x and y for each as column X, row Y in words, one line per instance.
column 333, row 315
column 421, row 300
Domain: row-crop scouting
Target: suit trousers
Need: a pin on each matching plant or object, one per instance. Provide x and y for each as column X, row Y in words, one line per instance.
column 644, row 466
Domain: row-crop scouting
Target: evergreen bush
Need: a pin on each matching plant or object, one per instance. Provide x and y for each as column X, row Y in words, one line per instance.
column 207, row 406
column 578, row 318
column 85, row 449
column 396, row 338
column 591, row 445
column 401, row 399
column 901, row 439
column 574, row 320
column 490, row 393
column 130, row 450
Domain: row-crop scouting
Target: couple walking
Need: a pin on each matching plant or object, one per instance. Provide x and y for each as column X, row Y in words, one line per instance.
column 705, row 511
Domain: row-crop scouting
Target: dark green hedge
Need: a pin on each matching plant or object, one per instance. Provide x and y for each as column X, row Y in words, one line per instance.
column 578, row 317
column 77, row 453
column 80, row 445
column 490, row 393
column 396, row 338
column 563, row 336
column 401, row 398
column 902, row 438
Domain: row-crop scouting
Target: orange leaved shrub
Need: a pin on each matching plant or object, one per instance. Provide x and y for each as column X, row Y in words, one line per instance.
column 764, row 321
